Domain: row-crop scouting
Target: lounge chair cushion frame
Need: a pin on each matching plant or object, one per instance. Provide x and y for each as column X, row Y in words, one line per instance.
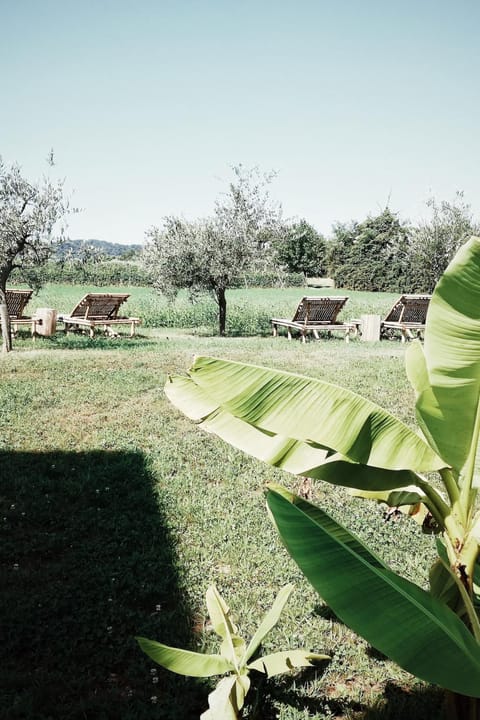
column 99, row 310
column 407, row 316
column 16, row 303
column 314, row 315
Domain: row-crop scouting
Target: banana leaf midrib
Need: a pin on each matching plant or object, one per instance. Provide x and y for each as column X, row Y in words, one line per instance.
column 372, row 423
column 386, row 574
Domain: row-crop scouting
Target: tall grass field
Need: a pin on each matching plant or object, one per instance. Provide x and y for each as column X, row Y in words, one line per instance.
column 117, row 513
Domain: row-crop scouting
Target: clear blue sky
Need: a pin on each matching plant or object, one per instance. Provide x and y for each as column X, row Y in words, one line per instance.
column 147, row 104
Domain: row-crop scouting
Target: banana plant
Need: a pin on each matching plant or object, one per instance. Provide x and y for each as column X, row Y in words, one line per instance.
column 235, row 658
column 323, row 431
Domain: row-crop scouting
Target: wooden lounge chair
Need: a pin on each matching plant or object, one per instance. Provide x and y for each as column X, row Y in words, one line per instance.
column 16, row 302
column 407, row 316
column 99, row 310
column 313, row 315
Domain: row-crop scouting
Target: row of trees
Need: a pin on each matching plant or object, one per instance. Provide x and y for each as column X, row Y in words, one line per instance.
column 246, row 233
column 382, row 253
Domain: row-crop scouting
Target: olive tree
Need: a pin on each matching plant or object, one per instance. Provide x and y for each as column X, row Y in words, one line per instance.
column 209, row 254
column 29, row 212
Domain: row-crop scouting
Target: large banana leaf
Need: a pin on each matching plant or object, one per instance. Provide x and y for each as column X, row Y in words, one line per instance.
column 297, row 422
column 185, row 662
column 448, row 405
column 295, row 456
column 400, row 619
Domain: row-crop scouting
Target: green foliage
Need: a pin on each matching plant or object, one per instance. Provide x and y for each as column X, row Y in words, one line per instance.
column 372, row 255
column 100, row 274
column 210, row 254
column 235, row 658
column 382, row 253
column 29, row 213
column 268, row 279
column 112, row 272
column 325, row 432
column 435, row 241
column 301, row 249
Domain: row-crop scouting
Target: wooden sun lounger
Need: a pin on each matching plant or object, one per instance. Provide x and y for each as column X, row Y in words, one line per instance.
column 314, row 315
column 16, row 302
column 99, row 310
column 407, row 316
column 43, row 322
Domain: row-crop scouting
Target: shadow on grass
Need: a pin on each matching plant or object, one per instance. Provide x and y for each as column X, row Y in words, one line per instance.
column 394, row 703
column 397, row 703
column 87, row 564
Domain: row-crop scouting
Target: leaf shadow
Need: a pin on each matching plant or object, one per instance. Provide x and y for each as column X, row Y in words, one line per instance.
column 393, row 703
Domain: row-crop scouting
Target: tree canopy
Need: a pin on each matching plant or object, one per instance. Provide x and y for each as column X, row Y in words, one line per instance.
column 300, row 248
column 372, row 255
column 435, row 240
column 207, row 254
column 29, row 212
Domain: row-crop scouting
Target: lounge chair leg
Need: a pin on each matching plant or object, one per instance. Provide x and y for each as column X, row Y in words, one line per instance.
column 274, row 331
column 109, row 331
column 289, row 334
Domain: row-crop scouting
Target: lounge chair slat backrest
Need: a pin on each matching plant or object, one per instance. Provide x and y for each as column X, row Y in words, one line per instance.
column 317, row 310
column 99, row 306
column 16, row 301
column 409, row 309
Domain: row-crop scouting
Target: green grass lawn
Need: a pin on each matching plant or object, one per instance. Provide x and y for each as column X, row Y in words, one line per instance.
column 117, row 513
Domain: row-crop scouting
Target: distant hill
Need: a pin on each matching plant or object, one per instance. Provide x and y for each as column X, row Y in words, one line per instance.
column 107, row 248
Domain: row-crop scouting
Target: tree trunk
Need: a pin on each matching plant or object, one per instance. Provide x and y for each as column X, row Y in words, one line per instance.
column 5, row 323
column 461, row 707
column 222, row 310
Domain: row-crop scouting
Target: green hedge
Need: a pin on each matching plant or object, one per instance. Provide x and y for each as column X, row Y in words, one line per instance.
column 100, row 274
column 133, row 274
column 269, row 280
